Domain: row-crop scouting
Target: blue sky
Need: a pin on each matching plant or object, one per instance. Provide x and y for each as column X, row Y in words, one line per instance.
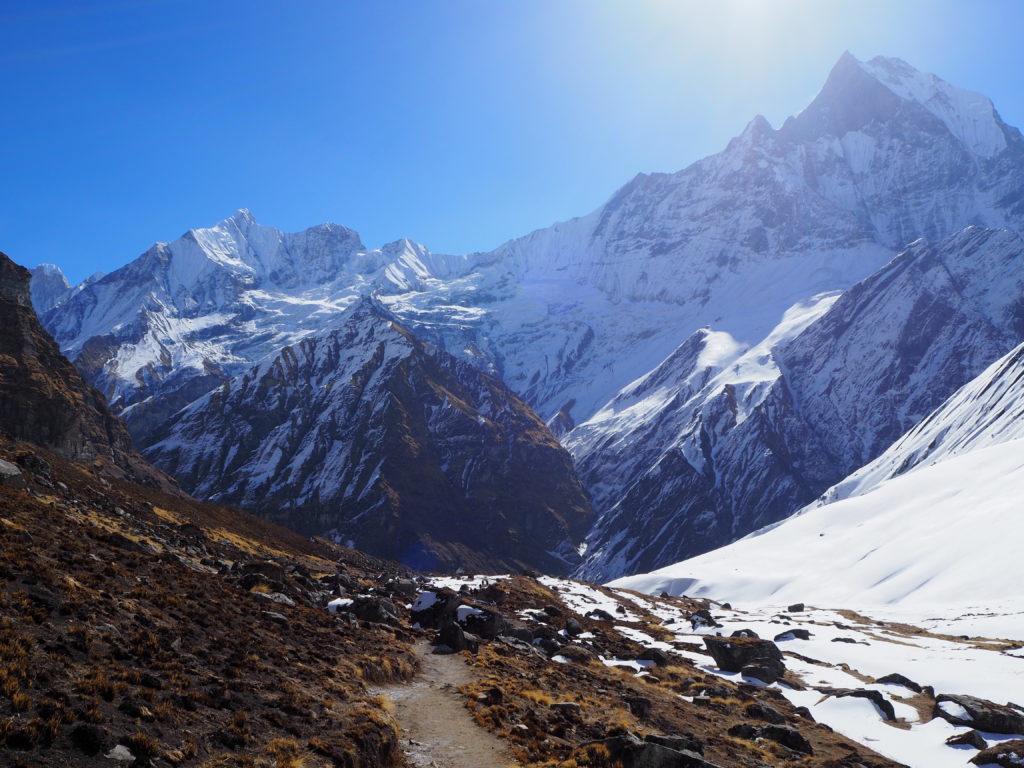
column 457, row 123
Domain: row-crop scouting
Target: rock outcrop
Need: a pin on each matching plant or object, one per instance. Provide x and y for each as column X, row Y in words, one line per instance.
column 44, row 399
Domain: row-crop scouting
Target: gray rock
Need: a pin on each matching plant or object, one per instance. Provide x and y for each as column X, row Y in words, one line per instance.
column 981, row 714
column 793, row 634
column 11, row 476
column 898, row 679
column 969, row 739
column 758, row 658
column 657, row 655
column 455, row 637
column 876, row 697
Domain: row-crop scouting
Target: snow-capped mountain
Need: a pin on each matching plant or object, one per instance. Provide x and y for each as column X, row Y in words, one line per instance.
column 720, row 440
column 187, row 315
column 922, row 525
column 49, row 287
column 749, row 244
column 574, row 312
column 364, row 432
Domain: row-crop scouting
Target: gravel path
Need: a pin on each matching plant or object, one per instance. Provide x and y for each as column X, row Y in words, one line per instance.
column 437, row 729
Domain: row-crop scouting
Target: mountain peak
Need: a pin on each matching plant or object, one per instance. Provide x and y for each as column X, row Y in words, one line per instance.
column 242, row 217
column 858, row 93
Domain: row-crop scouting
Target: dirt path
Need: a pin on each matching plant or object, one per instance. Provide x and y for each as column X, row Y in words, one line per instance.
column 437, row 729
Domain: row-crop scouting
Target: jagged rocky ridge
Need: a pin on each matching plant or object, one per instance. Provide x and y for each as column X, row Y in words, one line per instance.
column 570, row 315
column 389, row 444
column 43, row 399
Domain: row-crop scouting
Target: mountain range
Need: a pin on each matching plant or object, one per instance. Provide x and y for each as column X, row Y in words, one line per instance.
column 715, row 347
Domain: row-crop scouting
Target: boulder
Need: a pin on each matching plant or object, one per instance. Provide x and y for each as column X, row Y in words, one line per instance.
column 545, row 632
column 875, row 697
column 657, row 655
column 10, row 475
column 744, row 633
column 407, row 589
column 434, row 609
column 268, row 568
column 573, row 626
column 34, row 464
column 968, row 739
column 457, row 639
column 787, row 737
column 898, row 679
column 377, row 609
column 577, row 653
column 630, row 752
column 679, row 743
column 793, row 634
column 487, row 624
column 780, row 734
column 978, row 713
column 519, row 633
column 796, row 608
column 639, row 706
column 737, row 654
column 1009, row 754
column 600, row 615
column 702, row 619
column 762, row 711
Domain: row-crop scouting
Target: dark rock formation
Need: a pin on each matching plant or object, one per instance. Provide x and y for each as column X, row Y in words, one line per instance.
column 758, row 658
column 45, row 401
column 978, row 713
column 1007, row 755
column 367, row 434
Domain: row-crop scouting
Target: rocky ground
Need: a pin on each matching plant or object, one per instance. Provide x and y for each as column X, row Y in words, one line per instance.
column 138, row 628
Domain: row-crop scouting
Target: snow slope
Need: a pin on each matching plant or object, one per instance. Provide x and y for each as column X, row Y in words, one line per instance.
column 948, row 534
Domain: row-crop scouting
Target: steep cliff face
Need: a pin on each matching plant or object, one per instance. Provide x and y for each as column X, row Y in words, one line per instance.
column 43, row 398
column 722, row 440
column 367, row 434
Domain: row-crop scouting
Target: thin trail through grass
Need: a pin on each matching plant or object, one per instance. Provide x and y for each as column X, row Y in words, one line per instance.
column 437, row 729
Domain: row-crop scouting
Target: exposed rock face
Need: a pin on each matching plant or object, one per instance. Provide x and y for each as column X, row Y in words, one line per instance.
column 368, row 434
column 43, row 399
